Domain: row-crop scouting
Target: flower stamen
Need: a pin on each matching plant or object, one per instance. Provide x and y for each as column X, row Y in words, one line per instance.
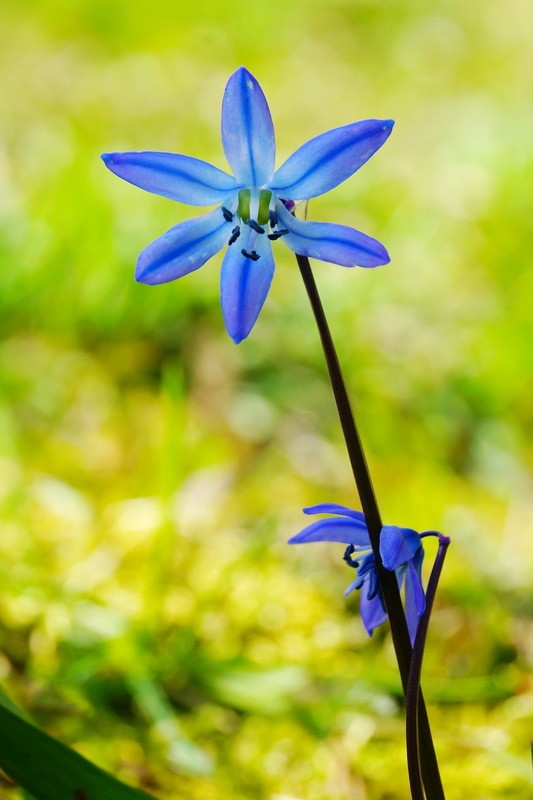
column 251, row 254
column 255, row 226
column 236, row 232
column 348, row 556
column 273, row 218
column 226, row 213
column 277, row 234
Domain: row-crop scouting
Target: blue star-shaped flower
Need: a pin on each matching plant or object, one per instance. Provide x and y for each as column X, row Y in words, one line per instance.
column 400, row 549
column 254, row 205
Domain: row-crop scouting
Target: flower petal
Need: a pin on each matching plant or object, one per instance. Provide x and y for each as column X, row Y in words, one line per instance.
column 327, row 160
column 183, row 248
column 247, row 130
column 366, row 576
column 326, row 241
column 355, row 584
column 244, row 283
column 372, row 611
column 335, row 529
column 414, row 592
column 335, row 508
column 182, row 178
column 397, row 546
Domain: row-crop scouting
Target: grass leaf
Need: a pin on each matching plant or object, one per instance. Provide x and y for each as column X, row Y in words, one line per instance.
column 52, row 771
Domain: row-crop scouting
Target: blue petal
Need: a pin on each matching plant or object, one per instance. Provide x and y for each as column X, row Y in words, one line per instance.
column 335, row 508
column 335, row 529
column 372, row 611
column 247, row 130
column 182, row 178
column 183, row 248
column 397, row 546
column 326, row 241
column 415, row 600
column 327, row 160
column 413, row 582
column 355, row 584
column 367, row 576
column 367, row 570
column 244, row 283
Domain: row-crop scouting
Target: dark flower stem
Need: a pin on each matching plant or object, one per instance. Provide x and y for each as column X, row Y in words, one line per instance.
column 413, row 682
column 389, row 586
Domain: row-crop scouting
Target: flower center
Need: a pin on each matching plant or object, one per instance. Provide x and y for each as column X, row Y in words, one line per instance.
column 255, row 208
column 262, row 203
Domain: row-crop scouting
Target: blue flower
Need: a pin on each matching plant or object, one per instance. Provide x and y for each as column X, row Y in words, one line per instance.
column 400, row 549
column 254, row 204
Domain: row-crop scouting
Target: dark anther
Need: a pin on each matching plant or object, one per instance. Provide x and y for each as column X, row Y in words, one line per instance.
column 236, row 232
column 273, row 218
column 254, row 226
column 277, row 234
column 228, row 216
column 348, row 556
column 252, row 254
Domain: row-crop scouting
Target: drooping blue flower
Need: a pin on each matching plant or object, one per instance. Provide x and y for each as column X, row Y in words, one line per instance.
column 254, row 204
column 400, row 549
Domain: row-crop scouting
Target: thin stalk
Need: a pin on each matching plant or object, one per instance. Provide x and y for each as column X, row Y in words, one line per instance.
column 389, row 586
column 413, row 682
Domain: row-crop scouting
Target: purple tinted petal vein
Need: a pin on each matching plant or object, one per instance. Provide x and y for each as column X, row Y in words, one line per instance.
column 182, row 249
column 111, row 160
column 243, row 287
column 337, row 240
column 181, row 178
column 338, row 244
column 248, row 123
column 244, row 283
column 177, row 250
column 332, row 155
column 183, row 174
column 325, row 159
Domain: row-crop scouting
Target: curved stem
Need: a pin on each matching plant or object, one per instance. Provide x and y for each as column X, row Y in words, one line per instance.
column 412, row 697
column 389, row 586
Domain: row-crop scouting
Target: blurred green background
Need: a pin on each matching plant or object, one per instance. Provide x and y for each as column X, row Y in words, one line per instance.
column 151, row 471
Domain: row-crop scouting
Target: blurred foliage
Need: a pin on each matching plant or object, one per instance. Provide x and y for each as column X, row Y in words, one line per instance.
column 151, row 472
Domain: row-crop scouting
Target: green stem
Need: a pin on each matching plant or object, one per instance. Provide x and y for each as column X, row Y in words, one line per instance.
column 389, row 586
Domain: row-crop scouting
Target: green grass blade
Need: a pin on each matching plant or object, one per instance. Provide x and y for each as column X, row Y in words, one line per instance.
column 52, row 771
column 6, row 701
